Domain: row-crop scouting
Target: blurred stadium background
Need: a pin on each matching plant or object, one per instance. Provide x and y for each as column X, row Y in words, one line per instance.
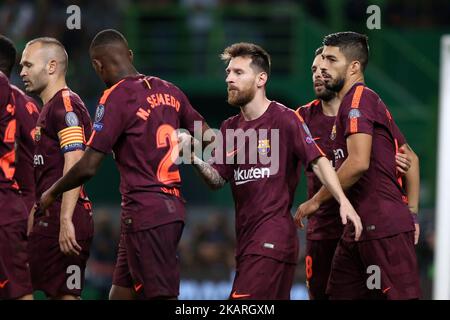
column 180, row 40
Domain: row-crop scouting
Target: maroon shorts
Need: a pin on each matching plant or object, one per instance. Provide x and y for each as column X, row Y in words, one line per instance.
column 262, row 278
column 54, row 272
column 375, row 269
column 147, row 261
column 319, row 255
column 15, row 280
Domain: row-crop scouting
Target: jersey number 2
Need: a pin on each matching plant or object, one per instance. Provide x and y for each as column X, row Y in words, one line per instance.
column 165, row 136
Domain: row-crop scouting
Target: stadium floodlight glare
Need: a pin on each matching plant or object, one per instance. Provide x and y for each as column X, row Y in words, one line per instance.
column 441, row 283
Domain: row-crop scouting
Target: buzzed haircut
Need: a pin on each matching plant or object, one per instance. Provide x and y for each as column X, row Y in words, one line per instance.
column 107, row 37
column 8, row 54
column 319, row 50
column 260, row 58
column 48, row 41
column 353, row 45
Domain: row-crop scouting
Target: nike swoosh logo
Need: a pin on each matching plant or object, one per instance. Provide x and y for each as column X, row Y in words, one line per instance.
column 3, row 284
column 231, row 153
column 235, row 295
column 387, row 289
column 242, row 182
column 318, row 138
column 137, row 287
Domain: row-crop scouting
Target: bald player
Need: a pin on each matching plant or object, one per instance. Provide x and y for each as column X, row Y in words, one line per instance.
column 61, row 235
column 15, row 281
column 136, row 119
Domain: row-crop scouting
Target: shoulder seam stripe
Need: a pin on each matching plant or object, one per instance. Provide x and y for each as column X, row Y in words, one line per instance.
column 66, row 100
column 357, row 96
column 107, row 92
column 299, row 116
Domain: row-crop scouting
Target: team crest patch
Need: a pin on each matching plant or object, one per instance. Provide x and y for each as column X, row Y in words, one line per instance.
column 263, row 146
column 333, row 133
column 37, row 134
column 354, row 113
column 99, row 113
column 71, row 119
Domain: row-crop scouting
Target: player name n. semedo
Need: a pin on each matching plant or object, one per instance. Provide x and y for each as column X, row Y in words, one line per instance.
column 156, row 100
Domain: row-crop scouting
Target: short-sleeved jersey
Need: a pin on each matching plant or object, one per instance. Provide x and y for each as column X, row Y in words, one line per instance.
column 136, row 119
column 263, row 191
column 27, row 114
column 11, row 204
column 8, row 130
column 62, row 126
column 325, row 223
column 377, row 196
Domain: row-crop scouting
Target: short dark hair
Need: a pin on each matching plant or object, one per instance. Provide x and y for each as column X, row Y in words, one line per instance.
column 353, row 45
column 8, row 54
column 319, row 50
column 260, row 58
column 106, row 37
column 49, row 41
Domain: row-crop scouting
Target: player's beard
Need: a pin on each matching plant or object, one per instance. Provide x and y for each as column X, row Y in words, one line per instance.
column 239, row 98
column 335, row 85
column 323, row 93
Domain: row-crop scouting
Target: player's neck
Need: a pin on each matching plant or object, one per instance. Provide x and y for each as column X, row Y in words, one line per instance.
column 349, row 84
column 129, row 71
column 255, row 108
column 52, row 89
column 330, row 108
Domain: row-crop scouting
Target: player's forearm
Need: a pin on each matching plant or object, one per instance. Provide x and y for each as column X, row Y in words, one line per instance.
column 210, row 175
column 69, row 201
column 78, row 174
column 412, row 184
column 348, row 174
column 326, row 174
column 70, row 197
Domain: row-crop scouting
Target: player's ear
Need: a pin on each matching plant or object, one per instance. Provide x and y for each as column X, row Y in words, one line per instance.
column 97, row 65
column 355, row 67
column 261, row 79
column 51, row 66
column 130, row 54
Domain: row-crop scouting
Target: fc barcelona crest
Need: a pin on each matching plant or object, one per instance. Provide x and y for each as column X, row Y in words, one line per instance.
column 263, row 146
column 37, row 134
column 333, row 133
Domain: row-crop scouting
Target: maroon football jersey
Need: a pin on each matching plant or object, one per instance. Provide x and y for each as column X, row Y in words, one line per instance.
column 325, row 223
column 377, row 196
column 136, row 119
column 62, row 126
column 11, row 204
column 27, row 114
column 263, row 193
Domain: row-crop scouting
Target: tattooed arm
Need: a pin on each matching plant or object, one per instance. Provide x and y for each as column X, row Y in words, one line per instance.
column 210, row 175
